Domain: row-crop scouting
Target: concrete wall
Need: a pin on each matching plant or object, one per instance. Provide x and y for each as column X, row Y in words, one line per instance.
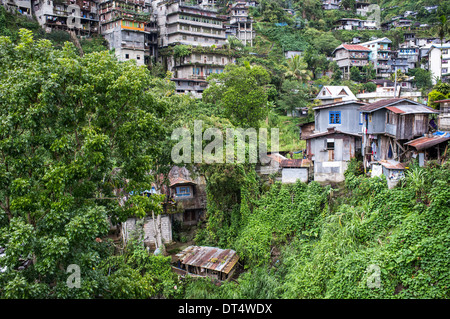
column 291, row 175
column 149, row 229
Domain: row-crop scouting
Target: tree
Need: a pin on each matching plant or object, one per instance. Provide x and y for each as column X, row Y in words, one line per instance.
column 240, row 92
column 355, row 74
column 297, row 68
column 75, row 131
column 294, row 95
column 422, row 78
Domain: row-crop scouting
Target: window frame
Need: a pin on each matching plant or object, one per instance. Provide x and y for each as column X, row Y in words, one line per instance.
column 334, row 117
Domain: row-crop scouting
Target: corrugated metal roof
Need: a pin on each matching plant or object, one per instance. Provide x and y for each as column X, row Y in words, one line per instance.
column 355, row 47
column 425, row 142
column 390, row 164
column 180, row 181
column 329, row 132
column 211, row 258
column 296, row 163
column 394, row 109
column 407, row 106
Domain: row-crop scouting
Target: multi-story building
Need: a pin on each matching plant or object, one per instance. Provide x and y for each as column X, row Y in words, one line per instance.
column 408, row 55
column 380, row 56
column 21, row 6
column 330, row 4
column 80, row 16
column 198, row 25
column 349, row 55
column 362, row 7
column 128, row 27
column 190, row 72
column 438, row 67
column 355, row 24
column 240, row 24
column 181, row 22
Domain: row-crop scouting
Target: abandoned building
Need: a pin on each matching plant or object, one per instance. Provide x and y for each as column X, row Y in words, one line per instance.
column 189, row 195
column 334, row 140
column 389, row 124
column 204, row 261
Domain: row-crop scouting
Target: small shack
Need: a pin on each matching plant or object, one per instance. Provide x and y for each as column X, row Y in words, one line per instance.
column 393, row 170
column 207, row 261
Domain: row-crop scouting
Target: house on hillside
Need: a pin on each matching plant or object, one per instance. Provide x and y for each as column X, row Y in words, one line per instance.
column 389, row 124
column 189, row 195
column 350, row 55
column 333, row 94
column 380, row 56
column 439, row 70
column 335, row 140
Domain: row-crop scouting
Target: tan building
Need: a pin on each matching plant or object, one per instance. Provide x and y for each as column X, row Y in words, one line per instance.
column 349, row 55
column 129, row 29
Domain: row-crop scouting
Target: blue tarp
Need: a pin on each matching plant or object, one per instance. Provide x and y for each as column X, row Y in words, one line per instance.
column 283, row 24
column 442, row 134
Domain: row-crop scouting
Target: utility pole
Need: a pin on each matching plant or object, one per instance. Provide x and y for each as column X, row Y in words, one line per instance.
column 395, row 80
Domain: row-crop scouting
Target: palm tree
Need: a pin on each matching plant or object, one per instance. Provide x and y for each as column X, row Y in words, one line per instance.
column 297, row 68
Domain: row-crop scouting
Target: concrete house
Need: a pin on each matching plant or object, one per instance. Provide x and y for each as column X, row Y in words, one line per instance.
column 189, row 195
column 129, row 28
column 349, row 55
column 380, row 56
column 335, row 140
column 240, row 24
column 438, row 69
column 388, row 124
column 68, row 15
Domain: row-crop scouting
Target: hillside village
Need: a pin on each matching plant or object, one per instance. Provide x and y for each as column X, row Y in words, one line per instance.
column 344, row 88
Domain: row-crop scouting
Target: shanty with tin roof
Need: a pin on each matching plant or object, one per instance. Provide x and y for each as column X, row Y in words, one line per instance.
column 207, row 261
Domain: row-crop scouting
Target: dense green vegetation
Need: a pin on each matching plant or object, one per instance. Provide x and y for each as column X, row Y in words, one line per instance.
column 328, row 243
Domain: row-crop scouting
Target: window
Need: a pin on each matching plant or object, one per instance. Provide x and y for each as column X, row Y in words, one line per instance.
column 184, row 37
column 138, row 57
column 361, row 118
column 444, row 70
column 127, row 56
column 445, row 51
column 330, row 144
column 182, row 191
column 335, row 117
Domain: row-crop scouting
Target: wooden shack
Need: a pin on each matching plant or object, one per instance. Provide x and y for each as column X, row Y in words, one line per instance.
column 205, row 261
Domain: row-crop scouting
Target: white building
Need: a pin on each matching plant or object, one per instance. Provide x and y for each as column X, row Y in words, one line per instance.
column 334, row 93
column 439, row 70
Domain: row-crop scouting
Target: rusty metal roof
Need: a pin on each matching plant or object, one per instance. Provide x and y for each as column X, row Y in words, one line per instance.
column 402, row 105
column 390, row 164
column 425, row 142
column 211, row 258
column 296, row 163
column 395, row 109
column 181, row 181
